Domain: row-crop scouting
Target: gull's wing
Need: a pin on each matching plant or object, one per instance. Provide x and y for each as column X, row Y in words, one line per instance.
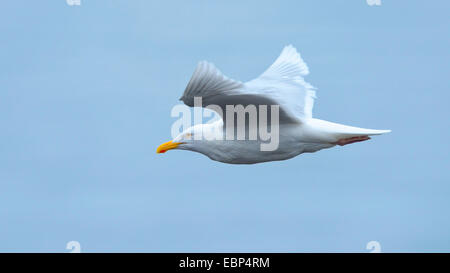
column 282, row 84
column 210, row 84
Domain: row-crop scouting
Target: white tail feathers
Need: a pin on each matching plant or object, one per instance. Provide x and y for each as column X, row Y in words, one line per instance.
column 356, row 131
column 330, row 131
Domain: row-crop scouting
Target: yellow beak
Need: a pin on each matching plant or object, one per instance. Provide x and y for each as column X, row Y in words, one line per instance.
column 167, row 146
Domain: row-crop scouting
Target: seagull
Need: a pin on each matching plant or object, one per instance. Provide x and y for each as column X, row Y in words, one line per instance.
column 282, row 85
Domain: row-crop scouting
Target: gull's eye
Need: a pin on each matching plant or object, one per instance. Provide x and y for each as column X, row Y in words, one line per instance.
column 188, row 135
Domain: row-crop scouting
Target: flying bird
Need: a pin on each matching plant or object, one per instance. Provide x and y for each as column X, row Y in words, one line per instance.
column 282, row 85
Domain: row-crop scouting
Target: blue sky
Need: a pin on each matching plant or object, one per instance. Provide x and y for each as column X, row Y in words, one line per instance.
column 85, row 99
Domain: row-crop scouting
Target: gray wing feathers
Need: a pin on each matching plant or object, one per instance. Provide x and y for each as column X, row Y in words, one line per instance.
column 207, row 81
column 281, row 84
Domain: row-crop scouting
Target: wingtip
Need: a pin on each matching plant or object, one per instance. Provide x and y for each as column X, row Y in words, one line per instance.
column 289, row 46
column 290, row 57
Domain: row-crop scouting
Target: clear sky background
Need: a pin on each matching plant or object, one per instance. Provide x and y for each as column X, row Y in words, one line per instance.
column 85, row 98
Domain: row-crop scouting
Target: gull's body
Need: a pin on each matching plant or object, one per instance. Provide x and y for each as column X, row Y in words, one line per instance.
column 282, row 84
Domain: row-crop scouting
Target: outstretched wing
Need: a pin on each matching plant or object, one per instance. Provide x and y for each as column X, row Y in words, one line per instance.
column 282, row 84
column 210, row 84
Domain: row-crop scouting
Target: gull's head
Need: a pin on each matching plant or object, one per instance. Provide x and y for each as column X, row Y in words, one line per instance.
column 194, row 138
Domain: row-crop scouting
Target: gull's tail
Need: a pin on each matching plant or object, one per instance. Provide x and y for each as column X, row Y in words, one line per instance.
column 339, row 133
column 350, row 131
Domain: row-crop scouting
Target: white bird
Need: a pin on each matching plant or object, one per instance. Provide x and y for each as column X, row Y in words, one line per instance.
column 281, row 84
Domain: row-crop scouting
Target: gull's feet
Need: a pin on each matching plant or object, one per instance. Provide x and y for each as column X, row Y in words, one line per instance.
column 351, row 140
